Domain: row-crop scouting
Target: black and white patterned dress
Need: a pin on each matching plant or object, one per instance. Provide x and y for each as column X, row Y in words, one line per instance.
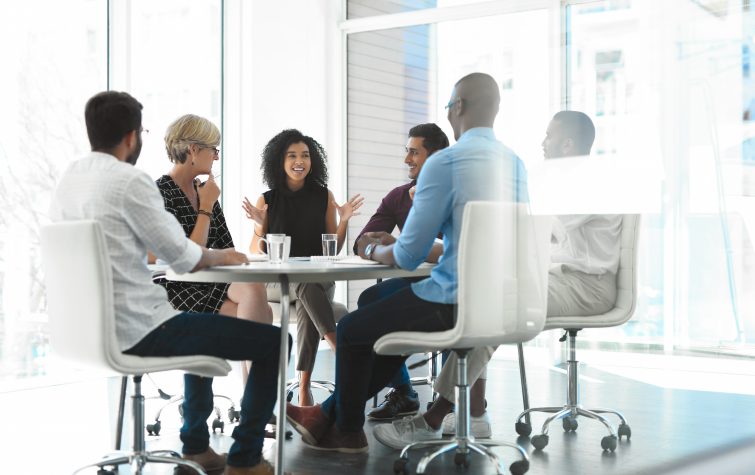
column 189, row 296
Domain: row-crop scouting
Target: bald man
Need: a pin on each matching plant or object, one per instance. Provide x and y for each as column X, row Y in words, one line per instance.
column 477, row 167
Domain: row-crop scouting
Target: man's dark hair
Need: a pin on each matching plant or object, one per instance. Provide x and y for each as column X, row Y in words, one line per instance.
column 578, row 127
column 274, row 156
column 109, row 116
column 433, row 139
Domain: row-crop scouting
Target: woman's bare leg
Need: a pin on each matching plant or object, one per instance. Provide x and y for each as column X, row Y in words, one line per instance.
column 305, row 389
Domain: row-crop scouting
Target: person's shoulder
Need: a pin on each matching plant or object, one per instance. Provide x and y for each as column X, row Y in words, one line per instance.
column 399, row 191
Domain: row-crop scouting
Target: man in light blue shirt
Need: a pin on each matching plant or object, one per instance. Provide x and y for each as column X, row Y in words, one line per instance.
column 477, row 167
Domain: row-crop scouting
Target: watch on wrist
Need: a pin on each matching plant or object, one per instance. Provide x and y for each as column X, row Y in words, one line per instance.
column 369, row 250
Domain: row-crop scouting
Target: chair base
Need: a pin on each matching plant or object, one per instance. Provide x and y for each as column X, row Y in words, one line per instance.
column 463, row 446
column 234, row 415
column 568, row 415
column 293, row 384
column 569, row 412
column 137, row 461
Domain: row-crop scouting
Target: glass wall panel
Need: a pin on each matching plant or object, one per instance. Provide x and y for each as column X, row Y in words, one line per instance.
column 675, row 77
column 53, row 62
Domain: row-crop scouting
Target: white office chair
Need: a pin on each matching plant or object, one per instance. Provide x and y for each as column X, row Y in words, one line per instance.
column 339, row 311
column 82, row 329
column 502, row 298
column 626, row 296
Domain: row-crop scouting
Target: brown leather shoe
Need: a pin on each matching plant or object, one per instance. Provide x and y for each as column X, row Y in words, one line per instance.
column 209, row 460
column 345, row 442
column 262, row 468
column 310, row 422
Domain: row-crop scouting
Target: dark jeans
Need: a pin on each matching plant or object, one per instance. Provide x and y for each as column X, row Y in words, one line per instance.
column 360, row 373
column 233, row 339
column 380, row 291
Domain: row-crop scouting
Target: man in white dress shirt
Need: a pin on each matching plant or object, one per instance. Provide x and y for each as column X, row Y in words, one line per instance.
column 106, row 187
column 585, row 248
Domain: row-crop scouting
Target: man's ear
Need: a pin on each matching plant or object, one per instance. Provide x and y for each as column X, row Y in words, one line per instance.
column 567, row 147
column 130, row 139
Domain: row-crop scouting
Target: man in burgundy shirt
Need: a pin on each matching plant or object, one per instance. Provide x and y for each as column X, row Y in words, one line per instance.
column 424, row 140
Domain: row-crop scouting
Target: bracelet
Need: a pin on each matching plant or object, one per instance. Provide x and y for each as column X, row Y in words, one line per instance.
column 206, row 213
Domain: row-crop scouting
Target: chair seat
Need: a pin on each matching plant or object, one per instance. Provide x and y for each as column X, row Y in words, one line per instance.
column 200, row 365
column 407, row 343
column 612, row 318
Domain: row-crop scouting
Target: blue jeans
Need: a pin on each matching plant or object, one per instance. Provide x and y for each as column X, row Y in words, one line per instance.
column 380, row 291
column 360, row 373
column 233, row 339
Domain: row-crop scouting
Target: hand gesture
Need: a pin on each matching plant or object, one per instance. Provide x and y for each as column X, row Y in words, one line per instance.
column 208, row 192
column 348, row 209
column 255, row 214
column 411, row 192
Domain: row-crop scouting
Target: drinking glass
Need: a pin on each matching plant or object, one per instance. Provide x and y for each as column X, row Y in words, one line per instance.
column 329, row 245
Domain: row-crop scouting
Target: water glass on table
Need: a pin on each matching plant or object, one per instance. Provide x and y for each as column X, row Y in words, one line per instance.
column 278, row 247
column 329, row 245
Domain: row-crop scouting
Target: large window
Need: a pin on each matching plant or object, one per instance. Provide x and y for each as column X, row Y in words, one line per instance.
column 673, row 77
column 51, row 67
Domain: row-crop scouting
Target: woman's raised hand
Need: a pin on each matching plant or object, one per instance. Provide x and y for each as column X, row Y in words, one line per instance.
column 252, row 212
column 208, row 192
column 348, row 209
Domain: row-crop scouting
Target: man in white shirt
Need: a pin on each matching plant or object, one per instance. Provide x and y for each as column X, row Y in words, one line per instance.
column 585, row 248
column 106, row 187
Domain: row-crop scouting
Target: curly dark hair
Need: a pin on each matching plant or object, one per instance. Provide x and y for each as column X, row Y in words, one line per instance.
column 274, row 154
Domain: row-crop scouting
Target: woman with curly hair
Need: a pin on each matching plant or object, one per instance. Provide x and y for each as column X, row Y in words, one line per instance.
column 191, row 143
column 300, row 205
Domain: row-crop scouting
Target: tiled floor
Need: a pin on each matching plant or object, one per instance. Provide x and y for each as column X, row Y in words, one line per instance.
column 56, row 429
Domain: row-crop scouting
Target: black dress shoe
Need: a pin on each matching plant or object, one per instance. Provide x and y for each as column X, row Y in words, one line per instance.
column 397, row 404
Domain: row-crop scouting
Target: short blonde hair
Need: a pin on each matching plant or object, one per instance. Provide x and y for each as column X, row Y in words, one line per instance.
column 187, row 130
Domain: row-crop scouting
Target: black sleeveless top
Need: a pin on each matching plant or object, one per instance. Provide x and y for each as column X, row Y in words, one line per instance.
column 299, row 214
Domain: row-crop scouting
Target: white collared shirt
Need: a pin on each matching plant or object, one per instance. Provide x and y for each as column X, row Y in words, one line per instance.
column 128, row 206
column 588, row 243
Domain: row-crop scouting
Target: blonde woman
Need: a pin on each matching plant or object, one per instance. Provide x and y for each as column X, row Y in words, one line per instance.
column 192, row 146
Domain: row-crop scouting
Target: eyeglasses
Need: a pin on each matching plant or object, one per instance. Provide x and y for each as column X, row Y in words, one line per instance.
column 215, row 150
column 450, row 104
column 142, row 130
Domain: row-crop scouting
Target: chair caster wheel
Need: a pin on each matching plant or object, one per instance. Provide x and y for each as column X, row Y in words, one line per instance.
column 519, row 467
column 570, row 424
column 429, row 405
column 540, row 441
column 624, row 429
column 103, row 471
column 154, row 429
column 233, row 415
column 400, row 466
column 289, row 396
column 608, row 443
column 461, row 459
column 523, row 429
column 218, row 424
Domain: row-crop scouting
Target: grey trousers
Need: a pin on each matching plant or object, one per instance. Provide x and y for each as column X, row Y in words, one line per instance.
column 477, row 364
column 572, row 292
column 314, row 318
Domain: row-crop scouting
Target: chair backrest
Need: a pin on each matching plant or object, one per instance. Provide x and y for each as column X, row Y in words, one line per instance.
column 79, row 292
column 503, row 264
column 626, row 284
